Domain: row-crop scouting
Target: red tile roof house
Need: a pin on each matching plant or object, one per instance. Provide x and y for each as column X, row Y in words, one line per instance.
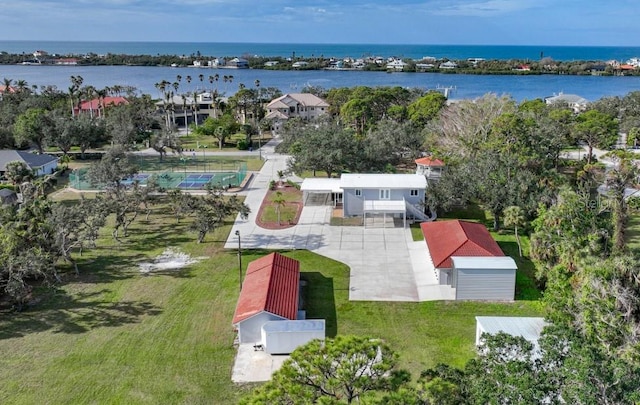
column 467, row 258
column 271, row 292
column 97, row 106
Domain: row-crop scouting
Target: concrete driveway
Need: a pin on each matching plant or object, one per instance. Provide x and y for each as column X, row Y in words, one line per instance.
column 385, row 263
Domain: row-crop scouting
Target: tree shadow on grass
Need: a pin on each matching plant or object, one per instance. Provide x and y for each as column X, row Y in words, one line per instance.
column 60, row 312
column 319, row 300
column 526, row 287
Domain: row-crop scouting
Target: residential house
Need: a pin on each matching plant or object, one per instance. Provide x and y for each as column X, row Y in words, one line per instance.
column 300, row 64
column 448, row 65
column 97, row 106
column 39, row 164
column 66, row 61
column 466, row 257
column 6, row 90
column 185, row 110
column 575, row 102
column 271, row 63
column 237, row 63
column 430, row 167
column 295, row 105
column 268, row 312
column 397, row 64
column 371, row 196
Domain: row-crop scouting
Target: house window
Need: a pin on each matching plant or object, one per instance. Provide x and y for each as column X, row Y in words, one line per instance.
column 385, row 194
column 358, row 192
column 414, row 192
column 311, row 108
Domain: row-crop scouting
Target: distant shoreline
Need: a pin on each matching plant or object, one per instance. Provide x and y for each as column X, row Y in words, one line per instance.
column 427, row 64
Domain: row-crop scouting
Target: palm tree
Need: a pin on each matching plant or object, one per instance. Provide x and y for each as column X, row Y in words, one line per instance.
column 618, row 179
column 514, row 216
column 279, row 201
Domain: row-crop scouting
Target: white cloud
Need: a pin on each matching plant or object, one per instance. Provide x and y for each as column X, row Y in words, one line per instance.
column 483, row 8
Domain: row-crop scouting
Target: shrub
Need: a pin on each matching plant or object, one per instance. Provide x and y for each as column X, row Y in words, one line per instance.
column 272, row 185
column 243, row 145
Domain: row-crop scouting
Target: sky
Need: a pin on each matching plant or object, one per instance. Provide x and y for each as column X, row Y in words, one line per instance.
column 446, row 22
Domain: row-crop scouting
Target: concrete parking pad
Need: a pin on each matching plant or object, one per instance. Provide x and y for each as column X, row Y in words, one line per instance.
column 254, row 365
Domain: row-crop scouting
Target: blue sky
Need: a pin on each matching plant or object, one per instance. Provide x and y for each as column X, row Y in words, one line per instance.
column 481, row 22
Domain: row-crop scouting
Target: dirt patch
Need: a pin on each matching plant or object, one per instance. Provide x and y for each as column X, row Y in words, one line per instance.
column 170, row 259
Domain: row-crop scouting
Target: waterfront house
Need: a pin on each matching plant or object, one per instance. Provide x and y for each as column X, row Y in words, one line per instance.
column 448, row 65
column 573, row 101
column 397, row 64
column 295, row 105
column 238, row 63
column 299, row 64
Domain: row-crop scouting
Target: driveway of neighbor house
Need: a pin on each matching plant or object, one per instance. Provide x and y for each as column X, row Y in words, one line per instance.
column 385, row 263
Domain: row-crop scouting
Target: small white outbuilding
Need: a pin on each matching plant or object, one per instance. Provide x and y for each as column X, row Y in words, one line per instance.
column 283, row 337
column 484, row 278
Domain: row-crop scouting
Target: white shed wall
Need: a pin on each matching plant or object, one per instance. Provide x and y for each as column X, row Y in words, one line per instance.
column 485, row 284
column 250, row 330
column 283, row 337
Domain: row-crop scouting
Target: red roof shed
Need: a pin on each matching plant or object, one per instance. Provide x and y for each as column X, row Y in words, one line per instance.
column 270, row 285
column 457, row 238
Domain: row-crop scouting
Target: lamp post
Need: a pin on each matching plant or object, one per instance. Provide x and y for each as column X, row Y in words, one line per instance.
column 204, row 159
column 239, row 259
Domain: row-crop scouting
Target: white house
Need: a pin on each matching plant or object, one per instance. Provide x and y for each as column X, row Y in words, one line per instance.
column 40, row 164
column 237, row 63
column 397, row 64
column 369, row 195
column 574, row 101
column 268, row 311
column 466, row 258
column 448, row 65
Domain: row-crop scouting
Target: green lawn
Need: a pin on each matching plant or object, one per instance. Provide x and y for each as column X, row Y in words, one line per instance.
column 633, row 232
column 113, row 335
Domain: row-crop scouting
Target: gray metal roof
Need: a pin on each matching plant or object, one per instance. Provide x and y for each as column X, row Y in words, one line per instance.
column 529, row 328
column 32, row 160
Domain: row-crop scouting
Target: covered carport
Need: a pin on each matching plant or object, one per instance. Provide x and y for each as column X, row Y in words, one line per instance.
column 383, row 208
column 320, row 191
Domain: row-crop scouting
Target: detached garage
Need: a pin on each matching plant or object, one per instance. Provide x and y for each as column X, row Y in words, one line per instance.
column 484, row 278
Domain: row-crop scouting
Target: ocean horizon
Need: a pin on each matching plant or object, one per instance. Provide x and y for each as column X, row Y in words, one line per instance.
column 309, row 50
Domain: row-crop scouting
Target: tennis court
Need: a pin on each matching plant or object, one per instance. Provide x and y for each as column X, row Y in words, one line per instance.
column 167, row 180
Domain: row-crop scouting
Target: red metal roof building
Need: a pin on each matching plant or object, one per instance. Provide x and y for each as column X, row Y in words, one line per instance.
column 457, row 238
column 271, row 286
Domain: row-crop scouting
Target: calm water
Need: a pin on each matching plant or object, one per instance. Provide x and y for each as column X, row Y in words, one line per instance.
column 465, row 86
column 326, row 50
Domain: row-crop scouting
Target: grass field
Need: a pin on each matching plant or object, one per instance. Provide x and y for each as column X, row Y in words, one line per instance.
column 114, row 335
